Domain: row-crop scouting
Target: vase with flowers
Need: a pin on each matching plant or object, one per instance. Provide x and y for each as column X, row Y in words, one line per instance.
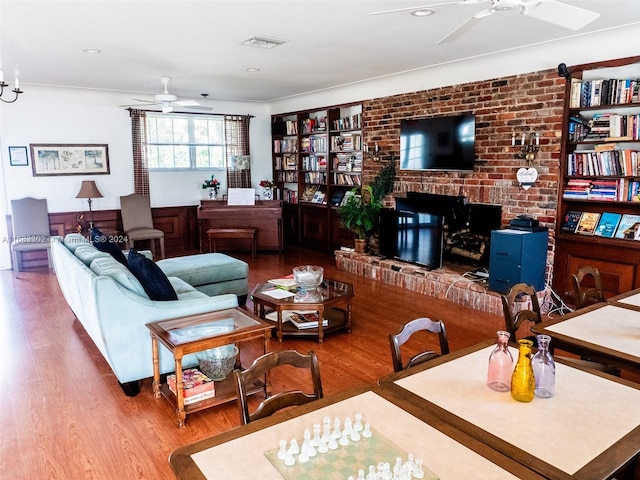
column 267, row 189
column 213, row 185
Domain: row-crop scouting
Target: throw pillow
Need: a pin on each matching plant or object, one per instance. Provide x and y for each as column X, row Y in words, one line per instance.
column 153, row 280
column 105, row 244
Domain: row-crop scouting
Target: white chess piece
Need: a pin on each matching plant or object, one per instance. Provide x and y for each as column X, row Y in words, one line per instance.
column 358, row 424
column 366, row 433
column 336, row 429
column 332, row 444
column 418, row 472
column 294, row 448
column 304, row 454
column 355, row 436
column 289, row 458
column 323, row 447
column 316, row 435
column 344, row 439
column 360, row 475
column 283, row 449
column 348, row 426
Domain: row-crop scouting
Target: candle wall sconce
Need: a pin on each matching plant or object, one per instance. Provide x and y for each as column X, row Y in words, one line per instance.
column 374, row 152
column 529, row 146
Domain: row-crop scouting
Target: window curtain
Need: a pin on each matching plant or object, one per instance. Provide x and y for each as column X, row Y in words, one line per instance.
column 139, row 140
column 237, row 140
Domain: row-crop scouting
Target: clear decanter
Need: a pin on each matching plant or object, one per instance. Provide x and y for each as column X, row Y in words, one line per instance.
column 500, row 364
column 544, row 368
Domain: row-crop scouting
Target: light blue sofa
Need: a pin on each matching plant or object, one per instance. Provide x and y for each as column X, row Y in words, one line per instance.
column 113, row 307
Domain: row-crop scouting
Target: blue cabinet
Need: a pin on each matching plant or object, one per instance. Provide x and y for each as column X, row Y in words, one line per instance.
column 517, row 257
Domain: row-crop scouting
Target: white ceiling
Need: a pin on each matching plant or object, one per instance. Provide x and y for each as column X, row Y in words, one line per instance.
column 198, row 43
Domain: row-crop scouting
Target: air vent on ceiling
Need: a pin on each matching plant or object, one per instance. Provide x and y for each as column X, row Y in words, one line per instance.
column 263, row 42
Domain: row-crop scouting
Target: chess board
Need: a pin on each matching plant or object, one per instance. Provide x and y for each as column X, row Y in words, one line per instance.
column 345, row 461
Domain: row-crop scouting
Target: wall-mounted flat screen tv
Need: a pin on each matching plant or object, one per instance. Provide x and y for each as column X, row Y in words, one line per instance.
column 438, row 143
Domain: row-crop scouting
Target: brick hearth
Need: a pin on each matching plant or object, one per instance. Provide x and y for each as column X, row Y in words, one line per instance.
column 442, row 283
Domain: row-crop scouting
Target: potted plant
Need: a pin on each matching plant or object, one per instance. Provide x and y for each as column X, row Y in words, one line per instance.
column 360, row 214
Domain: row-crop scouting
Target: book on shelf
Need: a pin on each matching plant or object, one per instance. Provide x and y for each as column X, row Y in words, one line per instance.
column 194, row 383
column 608, row 224
column 588, row 223
column 570, row 221
column 309, row 192
column 629, row 227
column 307, row 320
column 336, row 198
column 319, row 197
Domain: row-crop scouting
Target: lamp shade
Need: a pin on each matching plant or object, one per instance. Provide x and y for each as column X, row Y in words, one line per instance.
column 89, row 189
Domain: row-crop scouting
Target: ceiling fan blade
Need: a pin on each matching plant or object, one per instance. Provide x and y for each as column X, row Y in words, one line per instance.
column 187, row 103
column 201, row 108
column 167, row 108
column 464, row 28
column 140, row 104
column 561, row 14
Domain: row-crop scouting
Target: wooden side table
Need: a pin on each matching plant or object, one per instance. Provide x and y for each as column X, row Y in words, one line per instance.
column 200, row 332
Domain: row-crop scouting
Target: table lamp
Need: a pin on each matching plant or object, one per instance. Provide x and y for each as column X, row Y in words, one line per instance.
column 89, row 190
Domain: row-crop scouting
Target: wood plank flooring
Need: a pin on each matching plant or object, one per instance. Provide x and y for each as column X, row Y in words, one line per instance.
column 64, row 416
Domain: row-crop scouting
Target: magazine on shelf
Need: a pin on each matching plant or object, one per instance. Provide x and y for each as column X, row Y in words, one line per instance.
column 287, row 281
column 588, row 223
column 628, row 227
column 194, row 384
column 307, row 320
column 286, row 315
column 608, row 224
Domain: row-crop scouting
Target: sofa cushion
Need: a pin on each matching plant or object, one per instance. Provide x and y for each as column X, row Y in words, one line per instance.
column 205, row 268
column 87, row 253
column 153, row 280
column 105, row 244
column 110, row 267
column 74, row 240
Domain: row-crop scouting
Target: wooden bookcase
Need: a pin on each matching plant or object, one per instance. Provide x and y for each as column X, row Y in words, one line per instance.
column 317, row 157
column 597, row 174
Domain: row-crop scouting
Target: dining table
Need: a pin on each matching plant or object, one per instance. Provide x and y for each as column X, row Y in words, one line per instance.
column 589, row 429
column 401, row 431
column 606, row 332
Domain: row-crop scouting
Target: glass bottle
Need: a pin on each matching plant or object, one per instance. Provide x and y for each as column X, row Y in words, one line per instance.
column 522, row 381
column 544, row 368
column 500, row 364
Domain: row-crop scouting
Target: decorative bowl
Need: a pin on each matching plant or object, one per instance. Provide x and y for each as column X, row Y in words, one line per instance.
column 217, row 363
column 308, row 277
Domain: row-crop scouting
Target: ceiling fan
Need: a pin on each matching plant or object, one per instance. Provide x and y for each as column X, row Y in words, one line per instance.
column 550, row 11
column 168, row 101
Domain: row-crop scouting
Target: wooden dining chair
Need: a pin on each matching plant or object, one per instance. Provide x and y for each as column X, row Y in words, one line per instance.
column 587, row 294
column 260, row 371
column 396, row 340
column 515, row 316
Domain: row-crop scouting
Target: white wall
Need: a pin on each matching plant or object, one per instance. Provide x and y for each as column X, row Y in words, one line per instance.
column 63, row 115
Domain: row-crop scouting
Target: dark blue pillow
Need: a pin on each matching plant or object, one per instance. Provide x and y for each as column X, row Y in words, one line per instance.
column 153, row 280
column 105, row 244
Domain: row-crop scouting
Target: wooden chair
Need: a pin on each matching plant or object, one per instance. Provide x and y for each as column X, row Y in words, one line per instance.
column 137, row 222
column 419, row 324
column 584, row 294
column 523, row 293
column 260, row 370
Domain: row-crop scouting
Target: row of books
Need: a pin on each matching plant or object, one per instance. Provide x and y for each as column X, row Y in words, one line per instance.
column 352, row 122
column 314, row 125
column 313, row 144
column 285, row 146
column 196, row 386
column 607, row 224
column 314, row 162
column 315, row 177
column 287, row 176
column 593, row 93
column 615, row 190
column 605, row 159
column 343, row 162
column 290, row 196
column 613, row 126
column 346, row 142
column 347, row 179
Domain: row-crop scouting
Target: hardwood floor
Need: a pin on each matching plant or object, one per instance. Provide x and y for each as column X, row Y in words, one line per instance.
column 64, row 416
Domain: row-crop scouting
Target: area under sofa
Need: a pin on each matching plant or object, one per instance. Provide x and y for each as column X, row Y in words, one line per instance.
column 113, row 307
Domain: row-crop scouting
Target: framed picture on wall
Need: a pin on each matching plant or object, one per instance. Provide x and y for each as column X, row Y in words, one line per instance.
column 18, row 156
column 72, row 159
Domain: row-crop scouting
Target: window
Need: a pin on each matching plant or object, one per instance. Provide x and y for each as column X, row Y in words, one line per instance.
column 185, row 142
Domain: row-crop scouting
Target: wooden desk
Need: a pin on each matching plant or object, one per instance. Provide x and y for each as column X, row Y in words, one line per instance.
column 265, row 216
column 607, row 333
column 240, row 453
column 589, row 430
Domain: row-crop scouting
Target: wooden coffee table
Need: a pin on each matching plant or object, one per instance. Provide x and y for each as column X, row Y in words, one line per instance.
column 195, row 333
column 332, row 301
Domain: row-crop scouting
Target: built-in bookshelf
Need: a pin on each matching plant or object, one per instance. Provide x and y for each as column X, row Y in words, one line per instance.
column 317, row 159
column 600, row 174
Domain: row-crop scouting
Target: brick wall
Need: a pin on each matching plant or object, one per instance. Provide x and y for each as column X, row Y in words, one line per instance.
column 530, row 102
